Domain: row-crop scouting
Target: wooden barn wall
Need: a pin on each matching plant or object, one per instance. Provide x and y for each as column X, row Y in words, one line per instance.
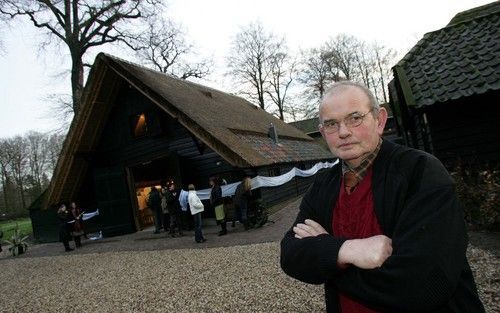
column 45, row 225
column 118, row 146
column 467, row 129
column 422, row 139
column 295, row 187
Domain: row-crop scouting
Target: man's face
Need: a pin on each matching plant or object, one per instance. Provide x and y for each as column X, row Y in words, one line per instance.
column 351, row 144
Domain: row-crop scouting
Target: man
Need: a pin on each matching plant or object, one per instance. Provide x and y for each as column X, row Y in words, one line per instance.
column 154, row 202
column 175, row 211
column 383, row 230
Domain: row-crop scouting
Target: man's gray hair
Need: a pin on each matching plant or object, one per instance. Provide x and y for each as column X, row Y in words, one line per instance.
column 342, row 85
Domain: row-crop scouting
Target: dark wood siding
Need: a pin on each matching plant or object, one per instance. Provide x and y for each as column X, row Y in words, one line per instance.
column 467, row 129
column 45, row 225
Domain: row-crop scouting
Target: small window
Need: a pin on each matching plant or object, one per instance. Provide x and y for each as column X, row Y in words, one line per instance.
column 139, row 125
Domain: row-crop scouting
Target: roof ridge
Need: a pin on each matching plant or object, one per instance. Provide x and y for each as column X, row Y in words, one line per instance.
column 424, row 38
column 481, row 12
column 183, row 81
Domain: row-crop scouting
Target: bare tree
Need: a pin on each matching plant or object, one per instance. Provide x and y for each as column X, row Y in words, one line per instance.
column 249, row 58
column 346, row 58
column 37, row 153
column 163, row 46
column 80, row 25
column 4, row 171
column 60, row 110
column 384, row 60
column 282, row 75
column 16, row 149
column 55, row 144
column 314, row 73
column 340, row 57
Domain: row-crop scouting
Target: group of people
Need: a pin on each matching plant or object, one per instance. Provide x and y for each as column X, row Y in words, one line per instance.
column 70, row 225
column 169, row 213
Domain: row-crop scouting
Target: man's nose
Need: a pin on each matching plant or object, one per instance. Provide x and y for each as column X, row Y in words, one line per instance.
column 344, row 131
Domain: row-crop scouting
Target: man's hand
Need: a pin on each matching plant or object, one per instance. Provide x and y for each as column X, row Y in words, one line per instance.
column 367, row 253
column 309, row 228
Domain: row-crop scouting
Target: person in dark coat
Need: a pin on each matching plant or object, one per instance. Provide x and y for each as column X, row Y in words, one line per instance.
column 383, row 230
column 175, row 211
column 64, row 216
column 77, row 230
column 217, row 204
column 154, row 202
column 242, row 197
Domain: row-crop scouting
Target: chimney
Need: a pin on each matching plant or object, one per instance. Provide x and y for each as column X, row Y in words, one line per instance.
column 273, row 134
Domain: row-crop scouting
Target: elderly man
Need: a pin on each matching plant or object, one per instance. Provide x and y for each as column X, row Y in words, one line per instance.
column 383, row 230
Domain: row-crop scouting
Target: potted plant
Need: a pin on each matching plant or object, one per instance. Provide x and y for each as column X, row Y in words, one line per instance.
column 18, row 244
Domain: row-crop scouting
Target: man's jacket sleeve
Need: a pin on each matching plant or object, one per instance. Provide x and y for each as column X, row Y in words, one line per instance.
column 311, row 260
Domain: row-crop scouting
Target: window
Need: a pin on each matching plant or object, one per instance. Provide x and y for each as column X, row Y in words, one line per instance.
column 139, row 125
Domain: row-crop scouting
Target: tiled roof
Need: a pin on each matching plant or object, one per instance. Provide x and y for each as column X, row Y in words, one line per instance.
column 459, row 60
column 286, row 150
column 308, row 126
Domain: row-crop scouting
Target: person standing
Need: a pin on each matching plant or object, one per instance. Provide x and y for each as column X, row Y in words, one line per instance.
column 383, row 230
column 218, row 205
column 77, row 230
column 164, row 208
column 174, row 210
column 154, row 203
column 242, row 197
column 64, row 216
column 196, row 207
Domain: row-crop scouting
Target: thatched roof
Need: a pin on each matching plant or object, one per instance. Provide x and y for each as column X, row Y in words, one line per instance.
column 229, row 125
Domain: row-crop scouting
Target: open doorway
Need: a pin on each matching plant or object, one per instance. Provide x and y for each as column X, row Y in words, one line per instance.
column 146, row 175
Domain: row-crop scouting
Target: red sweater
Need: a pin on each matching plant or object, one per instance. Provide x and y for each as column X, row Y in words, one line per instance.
column 354, row 218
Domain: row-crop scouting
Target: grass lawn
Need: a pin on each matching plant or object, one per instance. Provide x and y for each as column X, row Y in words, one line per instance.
column 8, row 227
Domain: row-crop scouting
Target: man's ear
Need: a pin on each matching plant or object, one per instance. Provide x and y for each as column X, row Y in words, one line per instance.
column 381, row 120
column 321, row 131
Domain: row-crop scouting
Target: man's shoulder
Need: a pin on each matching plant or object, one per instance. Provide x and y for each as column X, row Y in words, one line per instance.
column 399, row 154
column 408, row 162
column 326, row 175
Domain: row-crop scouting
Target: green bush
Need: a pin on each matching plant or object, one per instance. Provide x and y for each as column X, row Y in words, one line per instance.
column 478, row 188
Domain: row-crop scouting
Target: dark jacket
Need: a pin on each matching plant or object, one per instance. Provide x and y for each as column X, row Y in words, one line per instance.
column 154, row 200
column 173, row 204
column 242, row 196
column 417, row 207
column 64, row 227
column 216, row 196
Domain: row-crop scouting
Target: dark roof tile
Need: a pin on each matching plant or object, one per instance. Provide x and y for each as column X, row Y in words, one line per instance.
column 458, row 60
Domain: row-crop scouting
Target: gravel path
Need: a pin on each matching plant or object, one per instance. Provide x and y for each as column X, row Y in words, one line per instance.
column 143, row 272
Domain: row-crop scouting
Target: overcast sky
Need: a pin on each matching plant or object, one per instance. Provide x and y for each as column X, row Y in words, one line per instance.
column 28, row 76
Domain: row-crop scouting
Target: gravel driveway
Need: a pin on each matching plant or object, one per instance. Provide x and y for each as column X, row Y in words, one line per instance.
column 144, row 272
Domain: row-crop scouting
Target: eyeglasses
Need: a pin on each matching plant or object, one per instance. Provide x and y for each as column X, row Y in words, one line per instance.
column 350, row 121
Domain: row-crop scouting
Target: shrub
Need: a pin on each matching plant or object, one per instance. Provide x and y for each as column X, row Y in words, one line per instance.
column 478, row 188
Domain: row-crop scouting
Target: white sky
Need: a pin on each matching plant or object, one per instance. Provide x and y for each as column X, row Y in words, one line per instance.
column 28, row 77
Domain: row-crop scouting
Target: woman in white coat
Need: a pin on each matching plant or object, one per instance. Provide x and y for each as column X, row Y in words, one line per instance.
column 196, row 207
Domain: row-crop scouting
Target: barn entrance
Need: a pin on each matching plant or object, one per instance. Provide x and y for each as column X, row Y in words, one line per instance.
column 146, row 175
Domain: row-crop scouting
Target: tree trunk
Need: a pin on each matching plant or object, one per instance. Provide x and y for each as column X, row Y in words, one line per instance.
column 5, row 191
column 76, row 80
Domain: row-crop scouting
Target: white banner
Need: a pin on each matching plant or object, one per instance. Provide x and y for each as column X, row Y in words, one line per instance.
column 260, row 181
